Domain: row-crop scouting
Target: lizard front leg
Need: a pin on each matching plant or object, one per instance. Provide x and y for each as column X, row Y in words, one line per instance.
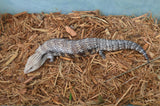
column 50, row 56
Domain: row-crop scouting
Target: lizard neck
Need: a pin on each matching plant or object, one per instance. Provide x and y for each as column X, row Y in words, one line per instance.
column 41, row 50
column 43, row 59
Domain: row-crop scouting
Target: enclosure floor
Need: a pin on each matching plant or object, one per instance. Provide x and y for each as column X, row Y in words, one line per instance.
column 123, row 77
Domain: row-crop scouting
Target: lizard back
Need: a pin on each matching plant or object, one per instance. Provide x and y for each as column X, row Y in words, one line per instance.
column 89, row 45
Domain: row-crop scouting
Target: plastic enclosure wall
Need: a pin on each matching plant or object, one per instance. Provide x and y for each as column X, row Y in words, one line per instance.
column 107, row 7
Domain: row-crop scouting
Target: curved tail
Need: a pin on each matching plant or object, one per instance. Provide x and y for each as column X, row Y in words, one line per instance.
column 135, row 46
column 114, row 45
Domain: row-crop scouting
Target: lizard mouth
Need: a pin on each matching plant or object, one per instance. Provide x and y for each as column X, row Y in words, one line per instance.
column 26, row 71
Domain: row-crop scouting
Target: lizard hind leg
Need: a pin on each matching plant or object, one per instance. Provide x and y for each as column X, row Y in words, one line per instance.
column 101, row 53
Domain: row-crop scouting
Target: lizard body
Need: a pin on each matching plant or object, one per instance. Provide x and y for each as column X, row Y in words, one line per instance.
column 61, row 47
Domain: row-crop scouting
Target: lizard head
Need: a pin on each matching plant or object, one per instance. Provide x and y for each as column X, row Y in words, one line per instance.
column 34, row 62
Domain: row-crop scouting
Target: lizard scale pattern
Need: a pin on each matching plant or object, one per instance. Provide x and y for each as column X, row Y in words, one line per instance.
column 61, row 47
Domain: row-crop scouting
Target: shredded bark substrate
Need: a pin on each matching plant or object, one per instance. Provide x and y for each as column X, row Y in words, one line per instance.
column 122, row 78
